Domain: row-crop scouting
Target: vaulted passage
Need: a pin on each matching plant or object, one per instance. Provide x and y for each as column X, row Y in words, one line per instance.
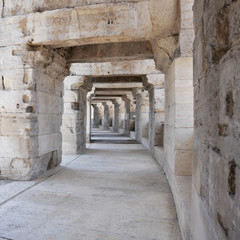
column 147, row 85
column 114, row 191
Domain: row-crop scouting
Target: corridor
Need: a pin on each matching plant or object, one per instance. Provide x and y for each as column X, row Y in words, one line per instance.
column 115, row 191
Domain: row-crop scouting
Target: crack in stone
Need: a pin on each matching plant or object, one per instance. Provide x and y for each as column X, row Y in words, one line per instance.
column 3, row 5
column 6, row 238
column 3, row 84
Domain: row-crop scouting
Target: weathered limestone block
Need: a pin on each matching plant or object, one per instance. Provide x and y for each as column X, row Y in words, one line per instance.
column 216, row 108
column 178, row 137
column 134, row 67
column 106, row 55
column 13, row 7
column 75, row 114
column 79, row 26
column 31, row 96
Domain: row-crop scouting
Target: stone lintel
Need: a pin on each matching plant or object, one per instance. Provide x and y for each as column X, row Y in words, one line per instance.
column 111, row 68
column 110, row 52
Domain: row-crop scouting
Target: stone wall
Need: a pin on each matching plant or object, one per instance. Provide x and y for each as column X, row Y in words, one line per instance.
column 31, row 110
column 216, row 168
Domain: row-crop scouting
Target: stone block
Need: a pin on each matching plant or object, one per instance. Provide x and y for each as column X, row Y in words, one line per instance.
column 183, row 162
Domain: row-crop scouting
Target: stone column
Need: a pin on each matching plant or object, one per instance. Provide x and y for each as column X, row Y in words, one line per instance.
column 178, row 137
column 75, row 114
column 106, row 116
column 154, row 84
column 111, row 114
column 138, row 123
column 126, row 126
column 88, row 120
column 31, row 103
column 101, row 115
column 116, row 116
column 132, row 114
column 95, row 116
column 121, row 116
column 89, row 113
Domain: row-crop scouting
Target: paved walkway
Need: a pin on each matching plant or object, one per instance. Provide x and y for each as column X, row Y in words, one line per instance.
column 115, row 191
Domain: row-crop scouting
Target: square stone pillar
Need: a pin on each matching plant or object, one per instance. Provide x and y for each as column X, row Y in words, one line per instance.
column 75, row 114
column 126, row 125
column 116, row 116
column 121, row 116
column 88, row 120
column 138, row 129
column 154, row 84
column 95, row 116
column 178, row 134
column 106, row 116
column 31, row 108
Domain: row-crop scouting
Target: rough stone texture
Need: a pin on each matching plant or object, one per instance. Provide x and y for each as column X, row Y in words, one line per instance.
column 116, row 116
column 134, row 67
column 106, row 116
column 110, row 53
column 178, row 137
column 142, row 117
column 31, row 111
column 95, row 116
column 216, row 176
column 75, row 114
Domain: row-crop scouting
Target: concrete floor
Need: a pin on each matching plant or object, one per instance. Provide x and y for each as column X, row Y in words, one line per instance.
column 112, row 192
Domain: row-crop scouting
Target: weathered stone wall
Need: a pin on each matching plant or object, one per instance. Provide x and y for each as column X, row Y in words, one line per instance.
column 14, row 7
column 31, row 109
column 216, row 168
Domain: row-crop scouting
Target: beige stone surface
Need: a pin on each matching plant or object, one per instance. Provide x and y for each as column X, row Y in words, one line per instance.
column 95, row 196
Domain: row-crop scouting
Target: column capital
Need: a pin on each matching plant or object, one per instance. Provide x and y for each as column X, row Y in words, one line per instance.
column 75, row 82
column 153, row 81
column 137, row 92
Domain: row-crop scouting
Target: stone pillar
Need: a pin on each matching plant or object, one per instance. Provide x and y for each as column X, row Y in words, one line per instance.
column 95, row 116
column 138, row 123
column 126, row 126
column 88, row 120
column 31, row 103
column 106, row 116
column 121, row 117
column 89, row 114
column 111, row 114
column 154, row 84
column 132, row 117
column 75, row 114
column 101, row 114
column 116, row 116
column 145, row 115
column 178, row 137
